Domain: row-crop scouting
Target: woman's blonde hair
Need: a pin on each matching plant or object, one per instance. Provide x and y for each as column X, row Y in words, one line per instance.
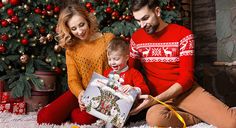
column 65, row 37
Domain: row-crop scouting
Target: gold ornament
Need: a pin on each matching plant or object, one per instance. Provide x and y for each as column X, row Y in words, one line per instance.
column 5, row 1
column 57, row 48
column 24, row 59
column 26, row 7
column 49, row 37
column 50, row 13
column 43, row 40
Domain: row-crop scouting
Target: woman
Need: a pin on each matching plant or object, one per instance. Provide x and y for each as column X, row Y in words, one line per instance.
column 85, row 54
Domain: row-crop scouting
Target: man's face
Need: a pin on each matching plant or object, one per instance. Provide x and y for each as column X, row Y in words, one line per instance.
column 147, row 19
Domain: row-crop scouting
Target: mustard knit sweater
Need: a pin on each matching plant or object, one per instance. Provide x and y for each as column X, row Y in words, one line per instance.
column 83, row 59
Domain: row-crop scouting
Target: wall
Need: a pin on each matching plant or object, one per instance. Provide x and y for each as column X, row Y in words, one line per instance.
column 226, row 30
column 214, row 26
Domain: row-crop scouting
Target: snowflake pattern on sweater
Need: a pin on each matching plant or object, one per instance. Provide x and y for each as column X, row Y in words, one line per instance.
column 163, row 51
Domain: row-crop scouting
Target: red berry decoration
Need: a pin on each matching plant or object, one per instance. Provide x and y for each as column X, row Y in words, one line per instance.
column 24, row 41
column 44, row 12
column 56, row 9
column 14, row 2
column 128, row 17
column 10, row 12
column 15, row 19
column 30, row 32
column 42, row 30
column 58, row 70
column 116, row 1
column 4, row 23
column 88, row 5
column 109, row 10
column 2, row 48
column 4, row 37
column 92, row 10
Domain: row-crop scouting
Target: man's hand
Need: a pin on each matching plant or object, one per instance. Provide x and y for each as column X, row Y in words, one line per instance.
column 126, row 88
column 81, row 104
column 147, row 101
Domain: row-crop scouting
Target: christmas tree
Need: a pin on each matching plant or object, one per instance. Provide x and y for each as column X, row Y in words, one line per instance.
column 27, row 43
column 27, row 34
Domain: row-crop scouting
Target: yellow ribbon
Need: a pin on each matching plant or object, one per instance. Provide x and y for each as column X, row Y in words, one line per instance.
column 169, row 107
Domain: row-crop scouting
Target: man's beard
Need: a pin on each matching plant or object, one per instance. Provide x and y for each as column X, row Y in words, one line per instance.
column 150, row 29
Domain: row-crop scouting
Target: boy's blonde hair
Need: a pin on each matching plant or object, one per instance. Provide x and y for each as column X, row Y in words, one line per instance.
column 116, row 44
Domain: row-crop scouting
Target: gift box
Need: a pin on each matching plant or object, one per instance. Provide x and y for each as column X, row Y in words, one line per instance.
column 19, row 108
column 5, row 107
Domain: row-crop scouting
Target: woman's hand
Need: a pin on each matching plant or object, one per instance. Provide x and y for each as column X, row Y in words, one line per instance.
column 81, row 104
column 126, row 88
column 147, row 101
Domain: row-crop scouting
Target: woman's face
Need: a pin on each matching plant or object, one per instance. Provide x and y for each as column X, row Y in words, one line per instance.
column 79, row 27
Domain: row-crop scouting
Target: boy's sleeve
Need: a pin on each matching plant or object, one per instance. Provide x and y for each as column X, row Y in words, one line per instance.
column 139, row 82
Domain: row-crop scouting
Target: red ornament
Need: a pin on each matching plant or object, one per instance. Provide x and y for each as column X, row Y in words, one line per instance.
column 56, row 9
column 109, row 10
column 2, row 48
column 1, row 5
column 4, row 37
column 88, row 5
column 15, row 19
column 115, row 14
column 116, row 1
column 58, row 70
column 4, row 23
column 24, row 41
column 49, row 7
column 37, row 10
column 10, row 12
column 30, row 32
column 14, row 2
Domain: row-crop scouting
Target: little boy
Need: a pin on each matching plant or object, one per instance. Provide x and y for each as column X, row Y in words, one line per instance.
column 118, row 55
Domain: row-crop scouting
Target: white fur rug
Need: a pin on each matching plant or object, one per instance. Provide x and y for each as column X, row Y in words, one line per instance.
column 8, row 120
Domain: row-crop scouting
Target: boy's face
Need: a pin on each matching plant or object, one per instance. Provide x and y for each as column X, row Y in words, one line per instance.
column 117, row 60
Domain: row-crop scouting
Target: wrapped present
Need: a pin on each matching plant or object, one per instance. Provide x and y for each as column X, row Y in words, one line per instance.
column 19, row 108
column 103, row 99
column 5, row 107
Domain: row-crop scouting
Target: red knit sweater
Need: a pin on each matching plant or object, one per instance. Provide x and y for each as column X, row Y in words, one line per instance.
column 167, row 57
column 132, row 77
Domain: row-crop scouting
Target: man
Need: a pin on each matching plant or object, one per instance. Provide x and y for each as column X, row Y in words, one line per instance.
column 166, row 53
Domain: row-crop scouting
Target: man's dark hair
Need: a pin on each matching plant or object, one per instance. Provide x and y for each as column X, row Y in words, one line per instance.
column 138, row 4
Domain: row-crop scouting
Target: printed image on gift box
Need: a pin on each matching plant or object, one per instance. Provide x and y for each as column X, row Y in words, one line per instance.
column 103, row 100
